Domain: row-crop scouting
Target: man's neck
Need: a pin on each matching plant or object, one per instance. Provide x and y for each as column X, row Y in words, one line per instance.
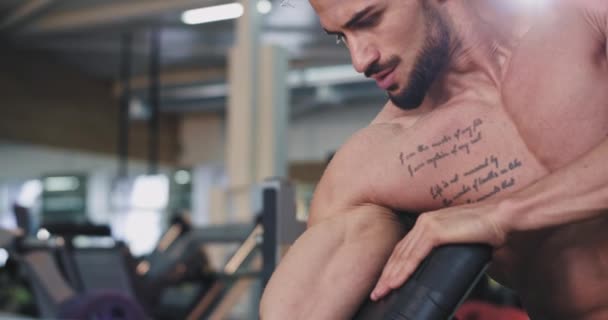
column 484, row 32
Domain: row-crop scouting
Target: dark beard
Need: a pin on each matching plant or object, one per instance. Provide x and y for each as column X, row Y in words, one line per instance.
column 430, row 62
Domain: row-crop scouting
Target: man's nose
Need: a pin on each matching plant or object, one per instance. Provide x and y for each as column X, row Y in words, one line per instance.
column 363, row 55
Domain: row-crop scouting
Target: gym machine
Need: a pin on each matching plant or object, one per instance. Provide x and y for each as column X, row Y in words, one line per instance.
column 179, row 267
column 55, row 297
column 178, row 259
column 281, row 228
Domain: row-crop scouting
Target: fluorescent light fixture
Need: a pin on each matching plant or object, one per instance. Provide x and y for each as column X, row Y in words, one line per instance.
column 313, row 77
column 264, row 6
column 331, row 75
column 212, row 14
column 93, row 242
column 61, row 184
column 324, row 76
column 531, row 4
column 210, row 90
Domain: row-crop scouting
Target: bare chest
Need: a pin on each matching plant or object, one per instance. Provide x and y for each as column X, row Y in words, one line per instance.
column 556, row 93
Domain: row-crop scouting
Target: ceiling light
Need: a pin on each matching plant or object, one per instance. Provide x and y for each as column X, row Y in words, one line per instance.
column 531, row 4
column 61, row 184
column 182, row 177
column 264, row 6
column 214, row 13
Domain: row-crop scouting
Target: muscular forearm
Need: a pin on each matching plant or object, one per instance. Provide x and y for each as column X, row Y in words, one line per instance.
column 332, row 267
column 574, row 193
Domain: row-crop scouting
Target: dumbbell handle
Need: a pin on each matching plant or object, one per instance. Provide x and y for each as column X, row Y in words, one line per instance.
column 437, row 287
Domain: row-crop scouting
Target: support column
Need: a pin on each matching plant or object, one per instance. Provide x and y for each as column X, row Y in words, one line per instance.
column 241, row 113
column 273, row 113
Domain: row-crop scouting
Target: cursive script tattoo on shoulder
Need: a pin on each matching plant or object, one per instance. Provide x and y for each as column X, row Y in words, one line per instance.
column 482, row 180
column 433, row 155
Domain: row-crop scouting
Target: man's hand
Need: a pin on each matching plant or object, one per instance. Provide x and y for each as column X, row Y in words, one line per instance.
column 478, row 223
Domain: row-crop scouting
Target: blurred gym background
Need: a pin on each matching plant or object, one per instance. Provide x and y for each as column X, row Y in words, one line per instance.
column 123, row 118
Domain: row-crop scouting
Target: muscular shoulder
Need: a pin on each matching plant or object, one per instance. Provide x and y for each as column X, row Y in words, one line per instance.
column 571, row 27
column 344, row 183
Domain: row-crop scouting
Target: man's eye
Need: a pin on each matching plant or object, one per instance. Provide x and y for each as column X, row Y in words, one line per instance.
column 369, row 22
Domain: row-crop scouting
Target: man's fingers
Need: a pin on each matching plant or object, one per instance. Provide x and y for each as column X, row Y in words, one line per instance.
column 431, row 230
column 379, row 292
column 407, row 256
column 404, row 271
column 402, row 256
column 404, row 260
column 382, row 288
column 395, row 255
column 406, row 267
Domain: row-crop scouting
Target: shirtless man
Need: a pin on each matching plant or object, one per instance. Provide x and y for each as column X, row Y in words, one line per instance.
column 495, row 131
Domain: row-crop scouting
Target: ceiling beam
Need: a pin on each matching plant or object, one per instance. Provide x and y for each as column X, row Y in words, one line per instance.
column 24, row 12
column 109, row 14
column 174, row 79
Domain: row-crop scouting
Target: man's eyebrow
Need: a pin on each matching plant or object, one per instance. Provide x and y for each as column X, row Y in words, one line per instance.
column 355, row 18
